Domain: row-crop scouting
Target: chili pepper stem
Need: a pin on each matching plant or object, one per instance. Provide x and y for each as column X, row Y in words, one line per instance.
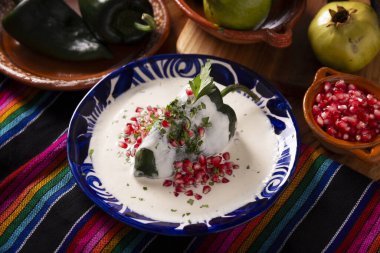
column 150, row 23
column 239, row 87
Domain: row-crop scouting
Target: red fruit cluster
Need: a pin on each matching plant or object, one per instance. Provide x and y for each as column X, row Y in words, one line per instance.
column 204, row 172
column 346, row 112
column 136, row 130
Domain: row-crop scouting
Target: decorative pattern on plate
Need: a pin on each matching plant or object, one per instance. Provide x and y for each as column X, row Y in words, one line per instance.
column 187, row 66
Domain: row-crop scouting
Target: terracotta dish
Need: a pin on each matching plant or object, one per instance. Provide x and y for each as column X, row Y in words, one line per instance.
column 369, row 152
column 34, row 69
column 276, row 30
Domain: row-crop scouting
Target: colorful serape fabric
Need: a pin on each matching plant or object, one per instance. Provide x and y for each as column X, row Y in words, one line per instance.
column 326, row 207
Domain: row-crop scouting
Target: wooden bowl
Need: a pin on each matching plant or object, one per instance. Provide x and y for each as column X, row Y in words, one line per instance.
column 276, row 30
column 34, row 69
column 370, row 151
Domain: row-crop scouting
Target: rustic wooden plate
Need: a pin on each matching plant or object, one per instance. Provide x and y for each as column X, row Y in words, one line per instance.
column 34, row 69
column 276, row 30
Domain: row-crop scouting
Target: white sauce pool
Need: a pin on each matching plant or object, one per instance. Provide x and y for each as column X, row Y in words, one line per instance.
column 254, row 148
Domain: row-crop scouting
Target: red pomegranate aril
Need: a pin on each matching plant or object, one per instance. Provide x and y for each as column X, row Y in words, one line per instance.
column 216, row 161
column 177, row 164
column 189, row 193
column 197, row 196
column 123, row 145
column 179, row 188
column 215, row 178
column 186, row 164
column 176, row 194
column 235, row 166
column 225, row 180
column 206, row 189
column 327, row 86
column 202, row 159
column 201, row 131
column 205, row 178
column 165, row 124
column 196, row 166
column 167, row 183
column 226, row 156
column 229, row 172
column 189, row 92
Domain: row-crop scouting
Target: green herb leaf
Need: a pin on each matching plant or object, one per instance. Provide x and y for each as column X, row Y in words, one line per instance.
column 203, row 83
column 173, row 210
column 204, row 206
column 91, row 152
column 190, row 202
column 145, row 188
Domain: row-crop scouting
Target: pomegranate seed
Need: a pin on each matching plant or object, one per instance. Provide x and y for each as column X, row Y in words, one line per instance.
column 206, row 189
column 235, row 167
column 139, row 109
column 229, row 172
column 177, row 164
column 134, row 119
column 225, row 180
column 167, row 183
column 176, row 194
column 167, row 114
column 186, row 164
column 190, row 133
column 202, row 159
column 181, row 142
column 149, row 108
column 197, row 196
column 196, row 166
column 123, row 145
column 205, row 178
column 216, row 161
column 226, row 156
column 327, row 86
column 201, row 131
column 165, row 124
column 179, row 188
column 189, row 92
column 173, row 143
column 189, row 193
column 215, row 178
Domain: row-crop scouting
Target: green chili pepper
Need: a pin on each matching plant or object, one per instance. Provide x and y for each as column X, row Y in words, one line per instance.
column 202, row 85
column 53, row 28
column 117, row 21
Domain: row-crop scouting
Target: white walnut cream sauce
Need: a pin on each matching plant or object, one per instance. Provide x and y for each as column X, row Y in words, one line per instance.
column 254, row 147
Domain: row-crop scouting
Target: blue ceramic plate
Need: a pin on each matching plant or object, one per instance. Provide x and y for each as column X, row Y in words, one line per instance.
column 141, row 72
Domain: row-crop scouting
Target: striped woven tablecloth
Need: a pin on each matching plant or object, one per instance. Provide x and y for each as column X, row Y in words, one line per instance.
column 326, row 207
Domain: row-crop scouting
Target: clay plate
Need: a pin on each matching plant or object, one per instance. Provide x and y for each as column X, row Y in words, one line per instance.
column 34, row 69
column 368, row 152
column 276, row 30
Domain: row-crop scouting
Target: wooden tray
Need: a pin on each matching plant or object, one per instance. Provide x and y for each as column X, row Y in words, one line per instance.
column 291, row 69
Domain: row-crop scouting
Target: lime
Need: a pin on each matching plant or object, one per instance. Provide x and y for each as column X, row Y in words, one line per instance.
column 240, row 15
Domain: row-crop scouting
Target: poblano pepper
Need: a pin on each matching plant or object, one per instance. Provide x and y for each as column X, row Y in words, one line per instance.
column 54, row 29
column 118, row 21
column 199, row 124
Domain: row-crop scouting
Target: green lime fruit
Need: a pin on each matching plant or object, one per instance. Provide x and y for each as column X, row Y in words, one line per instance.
column 239, row 15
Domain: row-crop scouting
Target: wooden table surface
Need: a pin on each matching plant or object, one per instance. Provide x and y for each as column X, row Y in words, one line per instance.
column 291, row 69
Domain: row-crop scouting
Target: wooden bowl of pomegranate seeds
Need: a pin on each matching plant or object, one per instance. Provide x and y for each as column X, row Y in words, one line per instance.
column 343, row 111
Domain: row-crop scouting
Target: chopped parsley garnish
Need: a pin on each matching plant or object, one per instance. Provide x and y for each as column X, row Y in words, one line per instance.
column 145, row 188
column 173, row 210
column 204, row 206
column 190, row 202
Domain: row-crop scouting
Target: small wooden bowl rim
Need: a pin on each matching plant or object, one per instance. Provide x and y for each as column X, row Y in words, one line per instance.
column 273, row 37
column 327, row 74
